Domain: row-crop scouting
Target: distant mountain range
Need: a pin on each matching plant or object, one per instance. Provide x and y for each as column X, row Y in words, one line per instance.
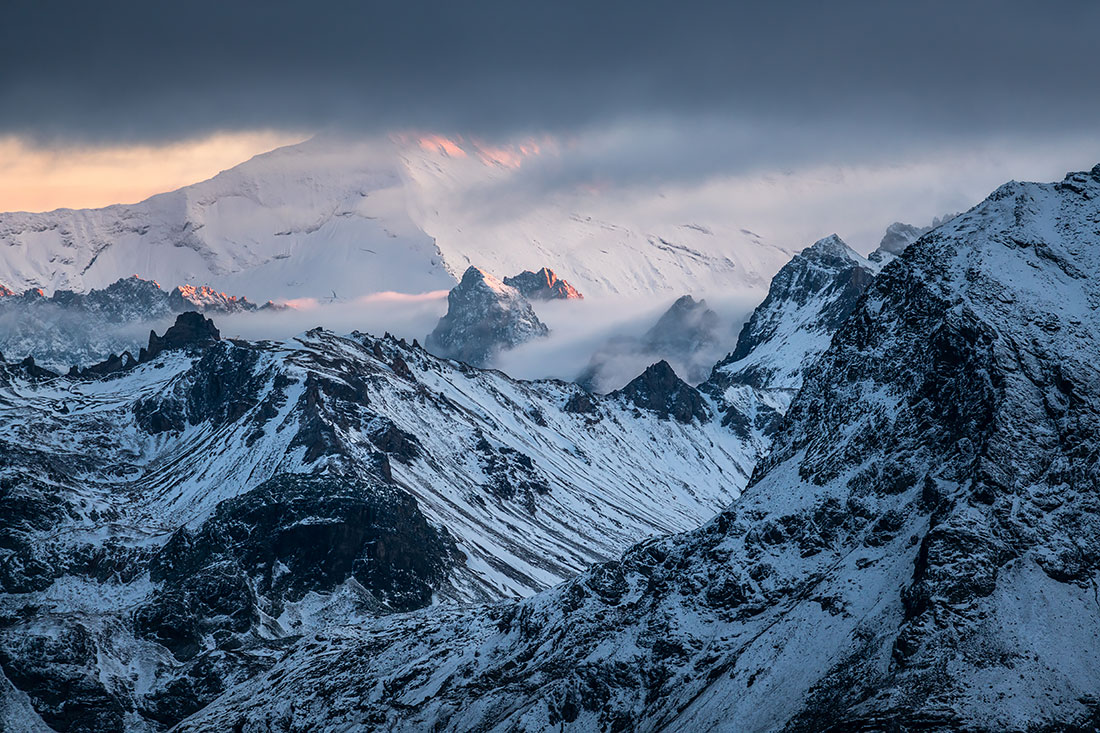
column 70, row 328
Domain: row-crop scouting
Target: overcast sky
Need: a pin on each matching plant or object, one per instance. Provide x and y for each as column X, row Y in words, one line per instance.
column 121, row 70
column 645, row 92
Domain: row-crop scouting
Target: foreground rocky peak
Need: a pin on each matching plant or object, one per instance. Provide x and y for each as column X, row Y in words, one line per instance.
column 543, row 285
column 191, row 329
column 921, row 548
column 484, row 316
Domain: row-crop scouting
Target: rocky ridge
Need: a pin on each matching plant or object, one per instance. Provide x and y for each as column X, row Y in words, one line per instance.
column 808, row 300
column 69, row 328
column 543, row 285
column 176, row 524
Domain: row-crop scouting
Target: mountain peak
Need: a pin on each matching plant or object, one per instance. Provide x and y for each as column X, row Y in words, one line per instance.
column 898, row 236
column 832, row 246
column 659, row 390
column 191, row 329
column 808, row 299
column 688, row 325
column 543, row 285
column 483, row 317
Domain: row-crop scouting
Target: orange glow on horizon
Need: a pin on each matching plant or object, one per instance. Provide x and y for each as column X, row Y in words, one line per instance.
column 76, row 177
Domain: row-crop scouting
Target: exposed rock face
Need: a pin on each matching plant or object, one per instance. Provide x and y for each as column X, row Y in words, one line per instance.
column 542, row 285
column 659, row 390
column 920, row 550
column 191, row 329
column 807, row 301
column 483, row 317
column 293, row 534
column 208, row 300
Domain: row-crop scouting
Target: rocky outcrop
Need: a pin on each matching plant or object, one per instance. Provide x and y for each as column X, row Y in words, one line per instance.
column 484, row 316
column 660, row 391
column 191, row 330
column 543, row 285
column 808, row 300
column 207, row 300
column 292, row 535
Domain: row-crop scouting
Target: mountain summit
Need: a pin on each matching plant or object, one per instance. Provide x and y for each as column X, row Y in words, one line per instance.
column 483, row 317
column 543, row 285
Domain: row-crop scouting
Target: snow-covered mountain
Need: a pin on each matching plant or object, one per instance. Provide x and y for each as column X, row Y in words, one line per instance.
column 808, row 300
column 333, row 219
column 68, row 328
column 920, row 550
column 308, row 220
column 174, row 526
column 483, row 317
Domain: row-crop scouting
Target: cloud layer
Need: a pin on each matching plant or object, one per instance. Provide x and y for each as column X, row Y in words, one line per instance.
column 128, row 69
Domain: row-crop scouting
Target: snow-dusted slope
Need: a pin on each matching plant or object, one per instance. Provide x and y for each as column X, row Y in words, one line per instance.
column 308, row 220
column 172, row 527
column 808, row 300
column 920, row 550
column 338, row 219
column 602, row 248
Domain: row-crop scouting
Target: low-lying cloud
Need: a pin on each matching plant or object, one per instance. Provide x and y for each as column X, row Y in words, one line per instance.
column 405, row 315
column 608, row 333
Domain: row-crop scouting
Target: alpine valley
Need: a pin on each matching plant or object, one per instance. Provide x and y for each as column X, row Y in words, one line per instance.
column 879, row 511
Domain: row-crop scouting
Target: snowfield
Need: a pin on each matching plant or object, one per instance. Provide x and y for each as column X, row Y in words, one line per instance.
column 327, row 219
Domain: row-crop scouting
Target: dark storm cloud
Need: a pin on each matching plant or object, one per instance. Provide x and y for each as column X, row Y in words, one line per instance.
column 117, row 71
